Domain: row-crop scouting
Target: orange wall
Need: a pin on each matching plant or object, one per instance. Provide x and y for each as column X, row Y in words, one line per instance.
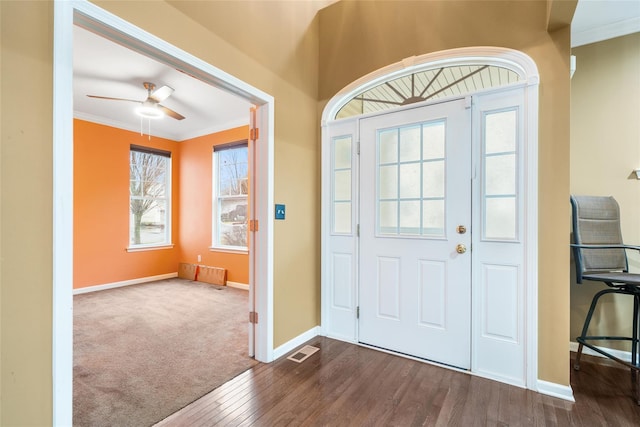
column 101, row 207
column 196, row 204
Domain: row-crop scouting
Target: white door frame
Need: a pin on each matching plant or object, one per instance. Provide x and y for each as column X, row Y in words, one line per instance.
column 261, row 263
column 528, row 72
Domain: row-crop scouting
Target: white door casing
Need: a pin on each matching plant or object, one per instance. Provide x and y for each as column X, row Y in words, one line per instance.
column 507, row 354
column 261, row 264
column 415, row 191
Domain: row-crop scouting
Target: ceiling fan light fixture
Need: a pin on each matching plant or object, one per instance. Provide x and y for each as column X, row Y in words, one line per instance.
column 149, row 110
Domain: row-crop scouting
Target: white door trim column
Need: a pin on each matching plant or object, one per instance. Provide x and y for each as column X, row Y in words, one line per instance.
column 261, row 264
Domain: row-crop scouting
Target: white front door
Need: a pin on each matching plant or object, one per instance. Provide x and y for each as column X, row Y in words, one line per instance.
column 415, row 232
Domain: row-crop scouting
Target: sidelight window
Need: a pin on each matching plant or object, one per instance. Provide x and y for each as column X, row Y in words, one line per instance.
column 342, row 182
column 500, row 175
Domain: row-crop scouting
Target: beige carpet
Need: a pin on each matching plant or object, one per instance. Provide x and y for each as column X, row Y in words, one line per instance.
column 142, row 352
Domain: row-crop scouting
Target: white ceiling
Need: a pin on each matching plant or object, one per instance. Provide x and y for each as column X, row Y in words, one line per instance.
column 597, row 20
column 104, row 68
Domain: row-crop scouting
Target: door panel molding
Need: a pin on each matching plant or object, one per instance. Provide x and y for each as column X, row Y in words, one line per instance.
column 409, row 137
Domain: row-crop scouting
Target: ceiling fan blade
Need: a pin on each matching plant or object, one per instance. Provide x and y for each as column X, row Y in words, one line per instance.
column 113, row 99
column 161, row 94
column 169, row 112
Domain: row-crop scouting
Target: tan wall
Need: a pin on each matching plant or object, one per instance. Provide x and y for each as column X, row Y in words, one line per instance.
column 605, row 149
column 276, row 34
column 360, row 37
column 26, row 212
column 286, row 32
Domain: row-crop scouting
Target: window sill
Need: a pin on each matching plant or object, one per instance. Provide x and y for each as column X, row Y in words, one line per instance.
column 148, row 248
column 228, row 250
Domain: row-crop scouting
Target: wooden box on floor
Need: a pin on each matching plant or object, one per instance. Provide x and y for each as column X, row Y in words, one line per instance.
column 187, row 271
column 213, row 275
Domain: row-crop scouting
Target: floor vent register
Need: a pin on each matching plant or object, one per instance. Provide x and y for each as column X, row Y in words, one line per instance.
column 303, row 354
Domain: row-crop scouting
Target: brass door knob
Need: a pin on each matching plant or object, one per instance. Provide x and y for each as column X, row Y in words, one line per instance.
column 460, row 248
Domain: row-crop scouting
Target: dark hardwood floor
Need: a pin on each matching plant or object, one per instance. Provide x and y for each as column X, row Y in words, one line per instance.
column 348, row 385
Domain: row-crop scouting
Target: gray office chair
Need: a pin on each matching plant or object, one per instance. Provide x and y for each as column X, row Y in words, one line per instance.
column 600, row 255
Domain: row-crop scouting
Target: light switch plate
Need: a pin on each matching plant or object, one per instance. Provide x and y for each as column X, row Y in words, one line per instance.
column 280, row 211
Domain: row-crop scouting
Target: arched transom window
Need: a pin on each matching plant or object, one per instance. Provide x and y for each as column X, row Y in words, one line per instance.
column 426, row 85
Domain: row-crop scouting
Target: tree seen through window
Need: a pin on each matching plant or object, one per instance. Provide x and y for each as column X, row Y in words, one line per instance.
column 232, row 191
column 149, row 197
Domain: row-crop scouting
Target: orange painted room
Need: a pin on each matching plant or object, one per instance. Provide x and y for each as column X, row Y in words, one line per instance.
column 102, row 254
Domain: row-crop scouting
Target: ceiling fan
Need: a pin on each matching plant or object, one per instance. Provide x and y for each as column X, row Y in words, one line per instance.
column 150, row 107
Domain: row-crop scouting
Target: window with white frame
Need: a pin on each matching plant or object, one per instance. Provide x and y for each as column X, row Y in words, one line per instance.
column 149, row 197
column 230, row 196
column 500, row 183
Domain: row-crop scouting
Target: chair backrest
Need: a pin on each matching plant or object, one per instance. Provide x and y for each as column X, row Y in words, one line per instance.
column 596, row 221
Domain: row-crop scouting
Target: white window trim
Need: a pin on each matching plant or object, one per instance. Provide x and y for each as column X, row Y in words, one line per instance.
column 215, row 215
column 142, row 248
column 228, row 250
column 168, row 241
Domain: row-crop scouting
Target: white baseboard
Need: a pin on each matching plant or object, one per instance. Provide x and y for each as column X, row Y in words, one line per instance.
column 237, row 285
column 124, row 283
column 296, row 342
column 556, row 390
column 620, row 354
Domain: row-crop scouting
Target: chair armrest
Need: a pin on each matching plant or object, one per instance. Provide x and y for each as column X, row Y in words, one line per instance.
column 632, row 247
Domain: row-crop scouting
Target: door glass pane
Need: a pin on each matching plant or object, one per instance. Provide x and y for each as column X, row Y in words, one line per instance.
column 500, row 219
column 427, row 84
column 501, row 174
column 342, row 217
column 410, row 181
column 433, row 179
column 389, row 182
column 500, row 132
column 388, row 146
column 433, row 214
column 342, row 152
column 342, row 148
column 410, row 144
column 411, row 169
column 410, row 217
column 388, row 217
column 342, row 185
column 433, row 140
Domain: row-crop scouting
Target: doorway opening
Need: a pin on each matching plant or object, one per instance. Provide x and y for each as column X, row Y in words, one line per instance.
column 67, row 14
column 390, row 180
